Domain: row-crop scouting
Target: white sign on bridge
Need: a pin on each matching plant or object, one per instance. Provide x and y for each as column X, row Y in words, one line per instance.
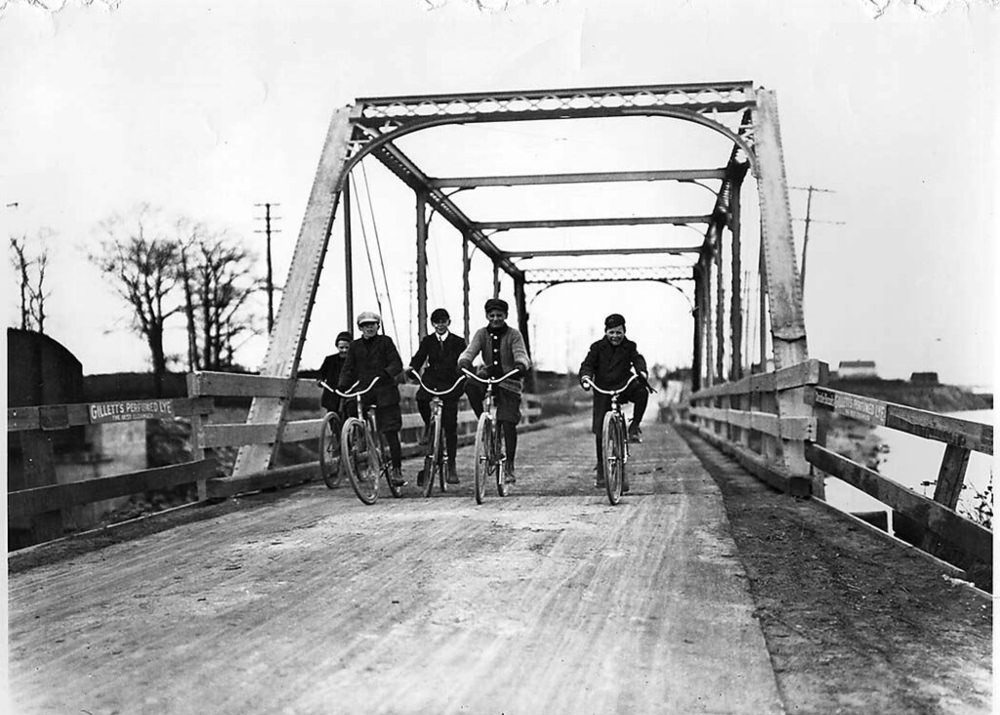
column 129, row 410
column 860, row 408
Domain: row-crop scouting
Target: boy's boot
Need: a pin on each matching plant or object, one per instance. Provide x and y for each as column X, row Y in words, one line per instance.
column 452, row 473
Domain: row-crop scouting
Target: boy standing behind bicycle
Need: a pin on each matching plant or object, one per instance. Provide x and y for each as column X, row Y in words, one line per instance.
column 609, row 363
column 502, row 349
column 440, row 351
column 370, row 356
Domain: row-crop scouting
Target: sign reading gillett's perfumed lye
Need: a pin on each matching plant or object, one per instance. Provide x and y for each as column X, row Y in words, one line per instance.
column 860, row 408
column 129, row 410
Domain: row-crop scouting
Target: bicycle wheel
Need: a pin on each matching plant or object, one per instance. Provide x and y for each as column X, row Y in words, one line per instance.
column 329, row 452
column 499, row 459
column 437, row 444
column 431, row 460
column 359, row 461
column 381, row 448
column 484, row 455
column 612, row 434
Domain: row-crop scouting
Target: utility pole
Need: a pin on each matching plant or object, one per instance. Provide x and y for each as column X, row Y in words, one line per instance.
column 808, row 220
column 270, row 273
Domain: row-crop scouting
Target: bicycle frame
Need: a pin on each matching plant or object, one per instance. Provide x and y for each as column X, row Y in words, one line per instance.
column 614, row 440
column 364, row 428
column 433, row 462
column 488, row 438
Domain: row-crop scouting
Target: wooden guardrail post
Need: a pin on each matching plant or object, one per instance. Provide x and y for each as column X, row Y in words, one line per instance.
column 197, row 437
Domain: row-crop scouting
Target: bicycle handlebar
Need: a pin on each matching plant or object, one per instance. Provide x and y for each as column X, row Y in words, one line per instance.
column 348, row 394
column 415, row 374
column 612, row 393
column 490, row 380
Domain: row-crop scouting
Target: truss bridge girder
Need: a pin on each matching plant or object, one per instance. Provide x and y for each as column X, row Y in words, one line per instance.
column 667, row 274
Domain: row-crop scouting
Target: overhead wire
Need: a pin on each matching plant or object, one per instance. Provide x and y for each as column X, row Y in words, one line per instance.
column 378, row 246
column 364, row 235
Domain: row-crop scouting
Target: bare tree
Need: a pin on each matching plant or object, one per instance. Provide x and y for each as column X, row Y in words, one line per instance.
column 140, row 260
column 31, row 279
column 216, row 273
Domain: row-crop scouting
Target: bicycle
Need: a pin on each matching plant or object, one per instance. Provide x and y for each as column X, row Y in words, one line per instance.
column 434, row 460
column 364, row 451
column 614, row 442
column 491, row 452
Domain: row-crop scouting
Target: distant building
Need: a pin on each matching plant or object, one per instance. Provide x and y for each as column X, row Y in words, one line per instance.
column 924, row 378
column 856, row 368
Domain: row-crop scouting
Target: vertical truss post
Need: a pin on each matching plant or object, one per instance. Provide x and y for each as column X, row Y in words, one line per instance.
column 720, row 307
column 784, row 290
column 496, row 279
column 706, row 323
column 522, row 312
column 421, row 265
column 348, row 258
column 697, row 332
column 736, row 299
column 466, row 267
column 285, row 342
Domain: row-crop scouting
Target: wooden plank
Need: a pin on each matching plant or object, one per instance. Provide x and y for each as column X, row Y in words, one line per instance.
column 228, row 384
column 20, row 419
column 810, row 372
column 233, row 435
column 945, row 524
column 58, row 496
column 929, row 425
column 951, row 475
column 302, row 430
column 792, row 428
column 950, row 430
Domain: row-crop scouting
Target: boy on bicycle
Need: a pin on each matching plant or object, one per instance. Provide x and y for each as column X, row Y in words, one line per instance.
column 370, row 356
column 440, row 351
column 609, row 363
column 502, row 349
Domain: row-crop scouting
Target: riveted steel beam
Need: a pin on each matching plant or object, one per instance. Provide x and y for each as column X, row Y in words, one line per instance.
column 594, row 275
column 579, row 178
column 577, row 222
column 663, row 251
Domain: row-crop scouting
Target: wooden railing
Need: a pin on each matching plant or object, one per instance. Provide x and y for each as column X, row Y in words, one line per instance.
column 781, row 440
column 43, row 501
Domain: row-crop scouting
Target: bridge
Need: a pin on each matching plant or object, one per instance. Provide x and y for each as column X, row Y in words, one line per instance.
column 723, row 583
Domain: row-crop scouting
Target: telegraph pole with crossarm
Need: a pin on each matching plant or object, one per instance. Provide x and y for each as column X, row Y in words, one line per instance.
column 270, row 279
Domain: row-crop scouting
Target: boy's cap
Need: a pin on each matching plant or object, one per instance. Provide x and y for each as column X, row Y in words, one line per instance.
column 613, row 321
column 343, row 336
column 369, row 317
column 496, row 304
column 439, row 315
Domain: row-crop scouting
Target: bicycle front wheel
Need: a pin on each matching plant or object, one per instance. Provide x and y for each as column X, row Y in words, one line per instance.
column 613, row 445
column 329, row 452
column 437, row 453
column 485, row 460
column 359, row 461
column 381, row 449
column 499, row 458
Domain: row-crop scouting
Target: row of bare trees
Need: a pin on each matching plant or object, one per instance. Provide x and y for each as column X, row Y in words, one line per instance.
column 181, row 270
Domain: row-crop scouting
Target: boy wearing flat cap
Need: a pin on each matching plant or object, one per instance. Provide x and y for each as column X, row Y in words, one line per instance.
column 609, row 363
column 440, row 351
column 370, row 356
column 502, row 349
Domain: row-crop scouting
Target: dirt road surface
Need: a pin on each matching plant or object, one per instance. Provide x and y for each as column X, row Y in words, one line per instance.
column 547, row 601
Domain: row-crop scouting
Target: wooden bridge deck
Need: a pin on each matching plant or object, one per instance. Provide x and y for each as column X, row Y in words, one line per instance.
column 548, row 601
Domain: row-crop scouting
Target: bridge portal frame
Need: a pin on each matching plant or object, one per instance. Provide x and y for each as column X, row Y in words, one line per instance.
column 746, row 115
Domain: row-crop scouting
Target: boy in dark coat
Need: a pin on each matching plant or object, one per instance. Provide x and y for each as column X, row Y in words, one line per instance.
column 502, row 349
column 609, row 363
column 329, row 371
column 440, row 351
column 373, row 355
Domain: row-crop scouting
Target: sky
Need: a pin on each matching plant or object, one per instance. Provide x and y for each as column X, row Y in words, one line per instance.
column 206, row 109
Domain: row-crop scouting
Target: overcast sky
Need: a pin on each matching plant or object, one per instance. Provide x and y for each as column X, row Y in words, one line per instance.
column 207, row 108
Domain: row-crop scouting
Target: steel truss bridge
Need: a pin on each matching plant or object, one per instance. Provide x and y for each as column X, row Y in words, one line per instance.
column 743, row 114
